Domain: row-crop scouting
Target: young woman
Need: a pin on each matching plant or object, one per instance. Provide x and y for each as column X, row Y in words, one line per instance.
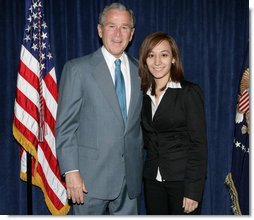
column 173, row 121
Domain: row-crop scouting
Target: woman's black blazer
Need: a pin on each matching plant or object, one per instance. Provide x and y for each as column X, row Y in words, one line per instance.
column 176, row 138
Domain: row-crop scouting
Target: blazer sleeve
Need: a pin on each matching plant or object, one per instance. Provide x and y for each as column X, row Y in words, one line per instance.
column 197, row 155
column 67, row 123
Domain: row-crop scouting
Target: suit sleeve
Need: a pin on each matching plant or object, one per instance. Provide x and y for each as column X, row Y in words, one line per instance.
column 67, row 123
column 197, row 155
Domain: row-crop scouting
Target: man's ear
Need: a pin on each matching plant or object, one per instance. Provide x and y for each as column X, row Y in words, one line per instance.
column 99, row 29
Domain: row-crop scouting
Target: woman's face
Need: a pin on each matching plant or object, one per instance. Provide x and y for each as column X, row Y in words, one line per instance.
column 159, row 60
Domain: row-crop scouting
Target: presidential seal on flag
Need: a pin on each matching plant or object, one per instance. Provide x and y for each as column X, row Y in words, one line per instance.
column 243, row 103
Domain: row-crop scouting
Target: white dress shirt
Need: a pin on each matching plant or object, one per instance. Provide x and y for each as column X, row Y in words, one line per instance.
column 110, row 59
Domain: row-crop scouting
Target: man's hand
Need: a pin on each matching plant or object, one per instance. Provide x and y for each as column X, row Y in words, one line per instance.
column 189, row 205
column 75, row 187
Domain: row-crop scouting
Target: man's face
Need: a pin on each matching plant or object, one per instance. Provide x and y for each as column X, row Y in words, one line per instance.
column 116, row 32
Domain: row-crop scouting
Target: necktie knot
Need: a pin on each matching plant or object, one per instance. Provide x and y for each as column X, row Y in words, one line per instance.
column 118, row 62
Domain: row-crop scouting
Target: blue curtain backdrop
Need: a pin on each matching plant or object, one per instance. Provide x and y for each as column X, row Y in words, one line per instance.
column 212, row 36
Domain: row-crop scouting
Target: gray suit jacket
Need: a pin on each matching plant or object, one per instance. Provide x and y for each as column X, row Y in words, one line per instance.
column 90, row 135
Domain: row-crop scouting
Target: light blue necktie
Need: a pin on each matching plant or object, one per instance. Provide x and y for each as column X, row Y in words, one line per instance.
column 120, row 89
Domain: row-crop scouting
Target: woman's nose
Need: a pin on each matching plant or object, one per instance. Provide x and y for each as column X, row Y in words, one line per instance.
column 157, row 60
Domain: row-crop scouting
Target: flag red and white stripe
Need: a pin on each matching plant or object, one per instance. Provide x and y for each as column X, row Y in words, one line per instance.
column 243, row 104
column 36, row 105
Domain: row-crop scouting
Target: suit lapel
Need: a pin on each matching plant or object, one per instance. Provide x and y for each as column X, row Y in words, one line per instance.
column 135, row 90
column 147, row 105
column 167, row 104
column 147, row 114
column 105, row 83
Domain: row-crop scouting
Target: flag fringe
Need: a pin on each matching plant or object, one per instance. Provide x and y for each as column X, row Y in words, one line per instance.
column 37, row 181
column 27, row 145
column 233, row 195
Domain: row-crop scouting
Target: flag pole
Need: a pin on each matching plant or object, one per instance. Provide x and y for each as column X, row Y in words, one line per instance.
column 29, row 185
column 29, row 156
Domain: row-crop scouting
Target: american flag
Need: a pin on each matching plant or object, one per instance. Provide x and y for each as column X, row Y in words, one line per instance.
column 35, row 110
column 237, row 179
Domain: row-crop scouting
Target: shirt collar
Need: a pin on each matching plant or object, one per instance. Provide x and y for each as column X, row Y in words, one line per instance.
column 170, row 84
column 110, row 59
column 174, row 85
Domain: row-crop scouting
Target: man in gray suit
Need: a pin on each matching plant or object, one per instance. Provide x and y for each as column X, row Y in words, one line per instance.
column 99, row 147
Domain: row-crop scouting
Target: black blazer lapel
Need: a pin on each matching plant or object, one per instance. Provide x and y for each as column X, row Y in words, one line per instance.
column 167, row 107
column 147, row 113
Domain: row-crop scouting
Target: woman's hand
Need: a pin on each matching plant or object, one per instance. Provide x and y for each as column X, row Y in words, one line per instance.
column 189, row 205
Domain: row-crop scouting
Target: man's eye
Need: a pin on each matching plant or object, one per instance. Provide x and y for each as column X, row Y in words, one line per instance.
column 125, row 27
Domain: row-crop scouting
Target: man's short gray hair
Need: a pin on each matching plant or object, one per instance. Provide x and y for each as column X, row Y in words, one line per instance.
column 118, row 6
